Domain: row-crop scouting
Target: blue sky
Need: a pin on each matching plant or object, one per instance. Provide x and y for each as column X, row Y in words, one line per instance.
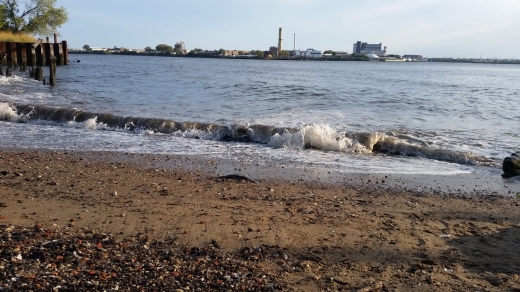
column 433, row 28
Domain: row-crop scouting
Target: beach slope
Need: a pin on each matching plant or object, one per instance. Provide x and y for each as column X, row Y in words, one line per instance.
column 80, row 221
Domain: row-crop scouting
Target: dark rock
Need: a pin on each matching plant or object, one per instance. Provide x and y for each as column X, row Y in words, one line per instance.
column 511, row 165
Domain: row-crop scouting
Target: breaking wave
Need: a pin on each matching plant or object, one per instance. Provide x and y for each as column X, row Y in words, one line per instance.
column 313, row 136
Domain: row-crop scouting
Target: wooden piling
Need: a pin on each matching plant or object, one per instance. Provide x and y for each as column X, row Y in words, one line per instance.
column 38, row 75
column 11, row 53
column 1, row 72
column 21, row 54
column 33, row 54
column 52, row 69
column 65, row 51
column 48, row 54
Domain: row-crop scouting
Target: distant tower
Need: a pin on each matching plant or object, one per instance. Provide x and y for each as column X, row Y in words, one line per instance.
column 385, row 51
column 280, row 42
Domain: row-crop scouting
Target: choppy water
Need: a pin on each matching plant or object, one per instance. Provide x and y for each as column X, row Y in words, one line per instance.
column 436, row 118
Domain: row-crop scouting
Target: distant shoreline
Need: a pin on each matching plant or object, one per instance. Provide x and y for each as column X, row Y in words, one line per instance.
column 205, row 56
column 437, row 60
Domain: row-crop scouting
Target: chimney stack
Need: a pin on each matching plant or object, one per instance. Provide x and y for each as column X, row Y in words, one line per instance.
column 279, row 42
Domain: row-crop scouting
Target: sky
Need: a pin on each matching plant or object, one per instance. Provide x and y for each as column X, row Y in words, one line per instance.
column 432, row 28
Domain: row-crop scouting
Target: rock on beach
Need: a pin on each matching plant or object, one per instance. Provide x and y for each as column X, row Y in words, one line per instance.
column 511, row 165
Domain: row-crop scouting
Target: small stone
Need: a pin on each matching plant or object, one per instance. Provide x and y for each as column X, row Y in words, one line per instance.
column 285, row 257
column 216, row 244
column 114, row 194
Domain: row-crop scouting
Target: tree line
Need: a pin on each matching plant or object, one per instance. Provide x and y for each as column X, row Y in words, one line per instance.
column 36, row 17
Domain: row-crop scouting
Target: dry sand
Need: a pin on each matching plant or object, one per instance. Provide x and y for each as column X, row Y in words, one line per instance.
column 99, row 221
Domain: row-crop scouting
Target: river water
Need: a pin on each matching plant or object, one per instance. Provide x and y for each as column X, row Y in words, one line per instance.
column 348, row 117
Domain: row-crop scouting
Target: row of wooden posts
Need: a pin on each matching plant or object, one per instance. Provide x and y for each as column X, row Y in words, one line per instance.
column 34, row 72
column 34, row 55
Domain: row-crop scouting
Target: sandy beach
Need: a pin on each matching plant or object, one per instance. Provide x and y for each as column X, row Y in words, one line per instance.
column 90, row 221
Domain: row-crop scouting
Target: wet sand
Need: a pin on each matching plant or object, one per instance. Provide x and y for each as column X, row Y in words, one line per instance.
column 85, row 221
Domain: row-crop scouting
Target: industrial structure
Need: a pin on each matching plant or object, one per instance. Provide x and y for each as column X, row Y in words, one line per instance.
column 279, row 52
column 308, row 54
column 364, row 48
column 180, row 47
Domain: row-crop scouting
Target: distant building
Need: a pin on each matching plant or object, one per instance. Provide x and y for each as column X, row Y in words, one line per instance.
column 273, row 51
column 97, row 49
column 209, row 52
column 116, row 50
column 295, row 54
column 312, row 54
column 235, row 53
column 308, row 54
column 180, row 48
column 365, row 48
column 413, row 57
column 341, row 54
column 372, row 56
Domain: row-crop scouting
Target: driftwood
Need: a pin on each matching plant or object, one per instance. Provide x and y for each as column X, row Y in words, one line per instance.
column 236, row 177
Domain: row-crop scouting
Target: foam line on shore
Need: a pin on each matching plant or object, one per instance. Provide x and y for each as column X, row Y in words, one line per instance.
column 322, row 137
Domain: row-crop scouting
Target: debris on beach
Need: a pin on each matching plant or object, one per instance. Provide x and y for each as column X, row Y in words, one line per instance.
column 44, row 259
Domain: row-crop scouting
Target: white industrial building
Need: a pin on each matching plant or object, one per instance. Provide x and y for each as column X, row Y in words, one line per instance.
column 365, row 48
column 308, row 54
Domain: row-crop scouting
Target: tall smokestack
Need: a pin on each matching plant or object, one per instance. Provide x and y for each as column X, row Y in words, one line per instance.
column 280, row 42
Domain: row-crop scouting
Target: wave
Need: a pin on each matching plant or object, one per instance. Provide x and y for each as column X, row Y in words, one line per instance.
column 313, row 136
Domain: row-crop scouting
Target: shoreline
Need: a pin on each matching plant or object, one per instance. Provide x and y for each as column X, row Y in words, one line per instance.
column 168, row 226
column 430, row 60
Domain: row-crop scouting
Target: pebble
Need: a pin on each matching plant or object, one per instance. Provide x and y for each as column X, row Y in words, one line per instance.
column 145, row 264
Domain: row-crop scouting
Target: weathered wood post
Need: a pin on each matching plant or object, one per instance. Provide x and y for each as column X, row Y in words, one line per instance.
column 52, row 69
column 8, row 72
column 1, row 72
column 65, row 52
column 34, row 59
column 38, row 75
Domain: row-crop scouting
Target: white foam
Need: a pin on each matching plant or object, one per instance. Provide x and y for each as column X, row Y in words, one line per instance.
column 317, row 136
column 9, row 80
column 90, row 124
column 287, row 140
column 7, row 113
